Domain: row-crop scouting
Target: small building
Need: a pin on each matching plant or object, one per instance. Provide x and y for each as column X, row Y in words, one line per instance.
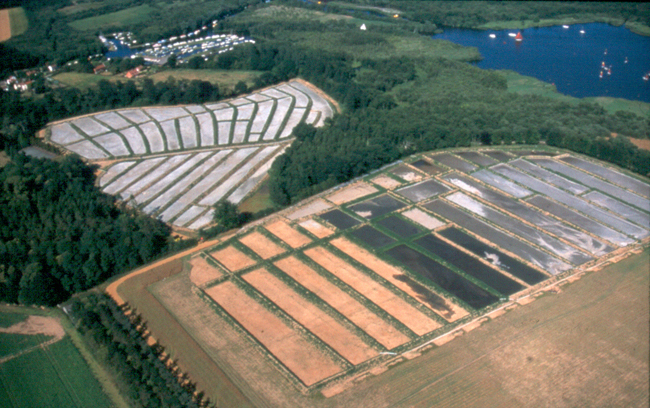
column 134, row 72
column 23, row 86
column 99, row 69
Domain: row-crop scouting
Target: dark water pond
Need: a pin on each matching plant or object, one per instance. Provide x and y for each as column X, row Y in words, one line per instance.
column 568, row 58
column 426, row 267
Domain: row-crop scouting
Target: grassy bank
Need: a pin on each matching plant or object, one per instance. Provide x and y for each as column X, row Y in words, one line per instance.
column 521, row 24
column 525, row 85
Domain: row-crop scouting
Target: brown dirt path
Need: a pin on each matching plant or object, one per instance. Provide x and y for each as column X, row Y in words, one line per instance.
column 112, row 288
column 47, row 326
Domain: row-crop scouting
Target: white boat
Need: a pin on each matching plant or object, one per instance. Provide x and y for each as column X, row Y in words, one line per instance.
column 582, row 31
column 493, row 36
column 512, row 34
column 565, row 26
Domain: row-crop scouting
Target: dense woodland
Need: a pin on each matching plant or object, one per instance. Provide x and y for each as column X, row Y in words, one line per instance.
column 145, row 375
column 61, row 235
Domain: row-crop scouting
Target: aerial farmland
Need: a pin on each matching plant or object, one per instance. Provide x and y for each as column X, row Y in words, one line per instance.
column 176, row 162
column 327, row 295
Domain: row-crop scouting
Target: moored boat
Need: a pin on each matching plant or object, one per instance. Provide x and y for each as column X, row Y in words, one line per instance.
column 519, row 37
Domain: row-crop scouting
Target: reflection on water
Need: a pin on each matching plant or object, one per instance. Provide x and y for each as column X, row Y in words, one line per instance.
column 581, row 60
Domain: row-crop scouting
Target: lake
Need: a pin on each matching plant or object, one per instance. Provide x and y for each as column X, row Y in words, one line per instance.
column 571, row 60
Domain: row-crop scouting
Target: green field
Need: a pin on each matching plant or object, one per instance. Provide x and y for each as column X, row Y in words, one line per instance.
column 47, row 374
column 225, row 79
column 84, row 81
column 55, row 376
column 122, row 18
column 19, row 23
column 11, row 343
column 79, row 7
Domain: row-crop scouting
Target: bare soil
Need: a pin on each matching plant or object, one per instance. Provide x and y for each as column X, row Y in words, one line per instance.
column 300, row 356
column 386, row 182
column 5, row 25
column 325, row 327
column 46, row 326
column 287, row 234
column 378, row 294
column 446, row 309
column 367, row 321
column 313, row 207
column 202, row 272
column 350, row 193
column 316, row 228
column 261, row 245
column 641, row 143
column 232, row 258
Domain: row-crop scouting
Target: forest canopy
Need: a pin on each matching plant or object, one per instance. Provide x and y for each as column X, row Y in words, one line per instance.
column 60, row 235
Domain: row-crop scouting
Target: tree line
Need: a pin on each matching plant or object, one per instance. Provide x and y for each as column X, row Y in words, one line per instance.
column 59, row 234
column 145, row 375
column 23, row 117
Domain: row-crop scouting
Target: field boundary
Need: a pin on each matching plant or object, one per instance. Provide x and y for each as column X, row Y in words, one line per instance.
column 307, row 254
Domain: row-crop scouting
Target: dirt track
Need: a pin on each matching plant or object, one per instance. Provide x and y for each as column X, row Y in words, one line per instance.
column 47, row 326
column 112, row 288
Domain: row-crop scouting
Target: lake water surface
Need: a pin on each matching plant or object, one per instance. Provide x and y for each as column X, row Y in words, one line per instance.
column 568, row 58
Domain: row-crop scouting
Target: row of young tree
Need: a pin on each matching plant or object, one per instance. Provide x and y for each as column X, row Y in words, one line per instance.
column 59, row 234
column 145, row 375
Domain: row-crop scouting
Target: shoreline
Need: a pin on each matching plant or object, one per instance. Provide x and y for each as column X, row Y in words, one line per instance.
column 634, row 26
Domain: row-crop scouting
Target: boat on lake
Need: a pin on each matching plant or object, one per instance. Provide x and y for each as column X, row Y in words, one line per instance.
column 493, row 36
column 519, row 37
